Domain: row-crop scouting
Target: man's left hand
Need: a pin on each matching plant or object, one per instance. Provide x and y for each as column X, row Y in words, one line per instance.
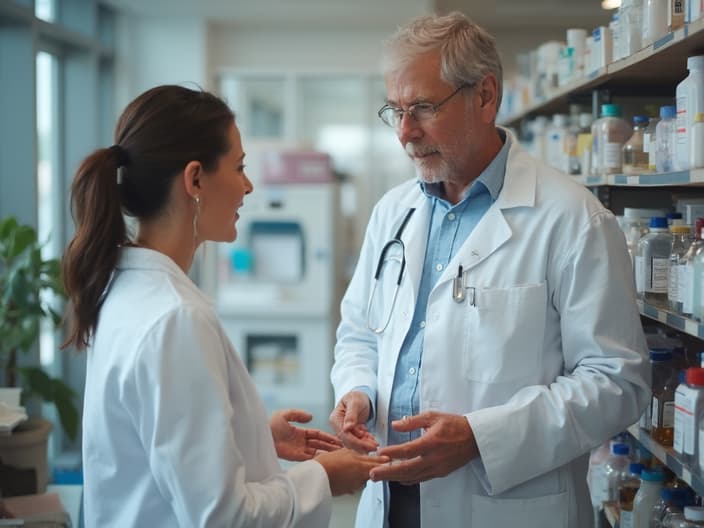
column 296, row 443
column 446, row 444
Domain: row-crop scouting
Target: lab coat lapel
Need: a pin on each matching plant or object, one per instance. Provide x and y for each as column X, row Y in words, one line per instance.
column 493, row 231
column 415, row 239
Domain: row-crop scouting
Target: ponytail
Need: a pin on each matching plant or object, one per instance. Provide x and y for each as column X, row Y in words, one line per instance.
column 92, row 254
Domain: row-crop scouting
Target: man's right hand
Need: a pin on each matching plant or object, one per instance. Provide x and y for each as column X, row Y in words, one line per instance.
column 348, row 419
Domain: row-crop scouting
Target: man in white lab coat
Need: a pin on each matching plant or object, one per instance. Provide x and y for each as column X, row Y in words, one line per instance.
column 496, row 339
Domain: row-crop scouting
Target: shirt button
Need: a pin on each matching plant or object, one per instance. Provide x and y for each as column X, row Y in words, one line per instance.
column 422, row 324
column 451, row 216
column 438, row 267
column 412, row 370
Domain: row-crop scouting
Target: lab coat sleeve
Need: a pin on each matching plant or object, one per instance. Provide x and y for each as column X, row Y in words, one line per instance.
column 356, row 359
column 605, row 386
column 185, row 421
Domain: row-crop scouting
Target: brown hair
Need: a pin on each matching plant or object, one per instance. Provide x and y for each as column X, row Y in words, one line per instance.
column 156, row 136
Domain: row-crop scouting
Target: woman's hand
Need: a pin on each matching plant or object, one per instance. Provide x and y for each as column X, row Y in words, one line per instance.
column 296, row 443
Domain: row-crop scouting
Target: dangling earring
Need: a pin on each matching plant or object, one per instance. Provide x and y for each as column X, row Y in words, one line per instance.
column 196, row 217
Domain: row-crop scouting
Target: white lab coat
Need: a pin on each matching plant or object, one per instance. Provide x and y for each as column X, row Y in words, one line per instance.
column 174, row 432
column 546, row 364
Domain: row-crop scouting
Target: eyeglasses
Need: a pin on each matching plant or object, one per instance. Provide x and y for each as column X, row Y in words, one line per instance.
column 392, row 115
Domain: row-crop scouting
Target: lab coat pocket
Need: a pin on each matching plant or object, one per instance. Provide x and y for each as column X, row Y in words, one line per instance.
column 505, row 331
column 538, row 512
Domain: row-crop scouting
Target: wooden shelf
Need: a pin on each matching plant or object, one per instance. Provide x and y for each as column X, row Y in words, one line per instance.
column 654, row 69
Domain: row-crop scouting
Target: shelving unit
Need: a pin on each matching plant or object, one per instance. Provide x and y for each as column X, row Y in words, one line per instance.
column 654, row 68
column 679, row 322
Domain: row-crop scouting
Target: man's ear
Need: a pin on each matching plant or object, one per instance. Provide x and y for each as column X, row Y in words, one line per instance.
column 192, row 176
column 488, row 91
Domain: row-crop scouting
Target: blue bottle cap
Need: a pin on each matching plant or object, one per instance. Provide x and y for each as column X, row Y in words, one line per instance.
column 635, row 468
column 658, row 221
column 660, row 354
column 620, row 449
column 667, row 112
column 640, row 120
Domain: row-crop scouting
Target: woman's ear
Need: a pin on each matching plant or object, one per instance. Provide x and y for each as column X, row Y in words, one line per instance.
column 192, row 175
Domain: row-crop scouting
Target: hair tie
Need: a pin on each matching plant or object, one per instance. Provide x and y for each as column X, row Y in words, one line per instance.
column 122, row 160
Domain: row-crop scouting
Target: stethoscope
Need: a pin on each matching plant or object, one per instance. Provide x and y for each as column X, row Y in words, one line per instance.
column 459, row 288
column 395, row 241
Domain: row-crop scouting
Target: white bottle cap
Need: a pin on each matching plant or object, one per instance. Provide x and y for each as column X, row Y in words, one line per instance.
column 695, row 63
column 694, row 513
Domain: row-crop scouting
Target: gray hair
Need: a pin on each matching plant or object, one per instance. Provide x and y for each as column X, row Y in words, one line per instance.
column 467, row 51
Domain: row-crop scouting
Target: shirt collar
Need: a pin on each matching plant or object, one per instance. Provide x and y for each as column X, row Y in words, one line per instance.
column 491, row 178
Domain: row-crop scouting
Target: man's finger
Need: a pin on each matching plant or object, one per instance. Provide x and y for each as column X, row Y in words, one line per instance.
column 407, row 450
column 411, row 470
column 297, row 415
column 411, row 423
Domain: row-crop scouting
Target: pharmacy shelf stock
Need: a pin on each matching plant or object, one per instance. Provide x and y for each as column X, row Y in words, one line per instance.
column 693, row 177
column 657, row 67
column 668, row 457
column 671, row 319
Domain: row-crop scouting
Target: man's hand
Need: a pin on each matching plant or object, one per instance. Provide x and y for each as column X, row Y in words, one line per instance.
column 296, row 443
column 348, row 419
column 447, row 444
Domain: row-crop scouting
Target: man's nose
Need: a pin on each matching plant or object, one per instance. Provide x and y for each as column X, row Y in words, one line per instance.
column 408, row 129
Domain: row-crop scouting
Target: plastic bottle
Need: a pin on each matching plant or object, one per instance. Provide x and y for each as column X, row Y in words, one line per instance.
column 664, row 383
column 556, row 143
column 631, row 24
column 688, row 293
column 650, row 143
column 612, row 132
column 690, row 100
column 615, row 468
column 698, row 284
column 648, row 494
column 665, row 138
column 635, row 159
column 627, row 490
column 654, row 20
column 696, row 143
column 689, row 405
column 681, row 240
column 694, row 517
column 652, row 263
column 672, row 500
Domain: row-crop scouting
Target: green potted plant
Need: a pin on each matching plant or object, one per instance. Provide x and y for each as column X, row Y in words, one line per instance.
column 27, row 285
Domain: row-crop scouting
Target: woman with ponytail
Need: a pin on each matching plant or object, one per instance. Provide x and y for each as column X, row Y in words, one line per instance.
column 174, row 433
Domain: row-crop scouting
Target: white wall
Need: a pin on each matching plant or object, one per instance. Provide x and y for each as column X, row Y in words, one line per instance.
column 315, row 50
column 158, row 50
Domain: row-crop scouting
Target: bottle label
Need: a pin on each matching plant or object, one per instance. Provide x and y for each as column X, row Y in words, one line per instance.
column 673, row 284
column 658, row 275
column 668, row 414
column 686, row 277
column 700, row 450
column 599, row 482
column 655, row 409
column 640, row 275
column 626, row 519
column 646, row 142
column 612, row 155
